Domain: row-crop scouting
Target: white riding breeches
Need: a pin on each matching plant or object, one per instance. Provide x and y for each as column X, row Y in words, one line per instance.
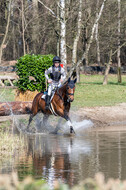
column 53, row 86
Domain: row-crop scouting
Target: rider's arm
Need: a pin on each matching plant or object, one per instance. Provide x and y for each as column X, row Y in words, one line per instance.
column 63, row 74
column 47, row 72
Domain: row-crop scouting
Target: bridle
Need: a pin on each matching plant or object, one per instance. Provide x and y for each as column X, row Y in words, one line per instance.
column 67, row 93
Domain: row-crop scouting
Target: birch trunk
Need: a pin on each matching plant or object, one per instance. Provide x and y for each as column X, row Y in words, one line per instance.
column 63, row 53
column 74, row 53
column 6, row 32
column 90, row 40
column 58, row 28
column 118, row 52
column 96, row 36
column 23, row 32
column 35, row 26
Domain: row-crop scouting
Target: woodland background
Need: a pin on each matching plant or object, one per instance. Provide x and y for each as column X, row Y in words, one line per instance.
column 81, row 32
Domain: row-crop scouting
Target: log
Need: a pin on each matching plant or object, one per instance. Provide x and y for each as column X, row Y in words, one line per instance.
column 16, row 108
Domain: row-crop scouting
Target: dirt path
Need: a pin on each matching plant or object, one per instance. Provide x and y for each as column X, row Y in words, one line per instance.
column 108, row 115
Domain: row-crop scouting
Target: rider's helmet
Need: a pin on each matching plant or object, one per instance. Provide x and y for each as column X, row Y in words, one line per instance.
column 56, row 59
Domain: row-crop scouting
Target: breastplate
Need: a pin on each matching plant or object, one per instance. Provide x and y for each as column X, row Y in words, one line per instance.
column 56, row 74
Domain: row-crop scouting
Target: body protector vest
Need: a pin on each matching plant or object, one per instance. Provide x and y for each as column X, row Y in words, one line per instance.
column 56, row 74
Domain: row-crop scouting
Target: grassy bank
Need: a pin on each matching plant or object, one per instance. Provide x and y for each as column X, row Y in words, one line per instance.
column 9, row 143
column 89, row 92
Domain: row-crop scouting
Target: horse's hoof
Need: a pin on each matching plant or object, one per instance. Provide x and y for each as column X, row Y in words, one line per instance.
column 72, row 130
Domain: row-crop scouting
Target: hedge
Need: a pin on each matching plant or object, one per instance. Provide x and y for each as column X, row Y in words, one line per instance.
column 34, row 66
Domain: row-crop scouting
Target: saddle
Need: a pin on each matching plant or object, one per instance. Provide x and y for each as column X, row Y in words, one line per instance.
column 46, row 93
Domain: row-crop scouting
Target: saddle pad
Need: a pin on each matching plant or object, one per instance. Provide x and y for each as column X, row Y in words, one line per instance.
column 44, row 96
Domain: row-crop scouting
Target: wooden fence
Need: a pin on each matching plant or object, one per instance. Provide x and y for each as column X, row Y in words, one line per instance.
column 7, row 81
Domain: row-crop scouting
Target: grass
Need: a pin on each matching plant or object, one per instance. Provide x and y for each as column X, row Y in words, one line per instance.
column 7, row 95
column 90, row 92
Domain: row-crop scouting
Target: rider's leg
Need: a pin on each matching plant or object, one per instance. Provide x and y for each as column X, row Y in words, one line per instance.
column 48, row 96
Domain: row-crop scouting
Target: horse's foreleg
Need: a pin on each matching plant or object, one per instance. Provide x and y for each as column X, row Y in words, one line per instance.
column 30, row 120
column 69, row 123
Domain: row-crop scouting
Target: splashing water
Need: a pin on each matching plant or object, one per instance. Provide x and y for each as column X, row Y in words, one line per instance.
column 79, row 126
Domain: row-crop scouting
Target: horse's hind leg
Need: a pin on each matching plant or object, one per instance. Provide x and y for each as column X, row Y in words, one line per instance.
column 30, row 120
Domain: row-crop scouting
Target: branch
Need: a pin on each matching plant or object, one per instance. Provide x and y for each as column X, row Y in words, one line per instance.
column 118, row 48
column 52, row 12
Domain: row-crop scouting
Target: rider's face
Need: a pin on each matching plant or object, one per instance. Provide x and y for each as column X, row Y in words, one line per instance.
column 56, row 64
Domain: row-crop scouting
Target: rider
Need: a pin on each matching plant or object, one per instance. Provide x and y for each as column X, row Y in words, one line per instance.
column 57, row 76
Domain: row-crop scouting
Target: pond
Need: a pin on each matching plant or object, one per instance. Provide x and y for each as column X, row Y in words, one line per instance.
column 72, row 159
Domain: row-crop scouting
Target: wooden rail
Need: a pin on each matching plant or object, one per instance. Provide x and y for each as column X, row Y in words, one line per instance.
column 10, row 79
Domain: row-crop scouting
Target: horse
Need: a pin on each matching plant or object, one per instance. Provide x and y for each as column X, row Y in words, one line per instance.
column 60, row 103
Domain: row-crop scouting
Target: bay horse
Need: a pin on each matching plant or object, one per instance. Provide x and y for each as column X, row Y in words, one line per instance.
column 60, row 103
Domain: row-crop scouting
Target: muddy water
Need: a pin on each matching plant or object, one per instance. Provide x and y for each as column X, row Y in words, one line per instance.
column 72, row 159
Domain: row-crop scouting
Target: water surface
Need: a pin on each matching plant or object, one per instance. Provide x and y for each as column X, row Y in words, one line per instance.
column 72, row 159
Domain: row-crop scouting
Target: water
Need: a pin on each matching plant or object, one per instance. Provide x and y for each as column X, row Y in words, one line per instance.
column 72, row 159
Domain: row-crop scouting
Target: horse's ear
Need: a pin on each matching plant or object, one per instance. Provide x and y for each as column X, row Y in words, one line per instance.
column 75, row 80
column 68, row 79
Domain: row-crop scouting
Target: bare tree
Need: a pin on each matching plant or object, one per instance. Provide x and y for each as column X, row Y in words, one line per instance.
column 118, row 52
column 63, row 53
column 35, row 26
column 75, row 44
column 96, row 35
column 23, row 29
column 90, row 40
column 6, row 30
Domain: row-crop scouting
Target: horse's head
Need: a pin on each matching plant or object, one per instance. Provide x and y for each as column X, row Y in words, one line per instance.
column 70, row 89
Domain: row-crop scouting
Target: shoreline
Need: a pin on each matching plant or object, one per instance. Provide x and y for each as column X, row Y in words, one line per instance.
column 102, row 117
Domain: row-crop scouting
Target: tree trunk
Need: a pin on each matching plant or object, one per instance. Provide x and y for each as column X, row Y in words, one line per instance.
column 23, row 32
column 118, row 52
column 74, row 53
column 58, row 29
column 105, row 81
column 35, row 26
column 17, row 108
column 96, row 36
column 6, row 31
column 63, row 53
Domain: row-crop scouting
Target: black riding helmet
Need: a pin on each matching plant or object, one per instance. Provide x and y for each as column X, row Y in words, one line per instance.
column 56, row 59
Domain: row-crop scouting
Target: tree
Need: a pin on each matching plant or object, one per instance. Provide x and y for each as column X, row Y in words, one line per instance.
column 118, row 52
column 75, row 44
column 6, row 30
column 90, row 40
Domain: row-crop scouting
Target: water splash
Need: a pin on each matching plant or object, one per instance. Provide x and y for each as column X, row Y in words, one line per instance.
column 79, row 126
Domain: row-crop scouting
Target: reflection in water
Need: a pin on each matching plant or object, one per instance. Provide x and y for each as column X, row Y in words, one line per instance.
column 56, row 157
column 72, row 159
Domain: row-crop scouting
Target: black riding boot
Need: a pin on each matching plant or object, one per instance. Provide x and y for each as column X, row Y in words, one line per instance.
column 47, row 101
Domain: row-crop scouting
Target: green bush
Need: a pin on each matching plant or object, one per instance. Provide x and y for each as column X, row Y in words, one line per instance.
column 35, row 66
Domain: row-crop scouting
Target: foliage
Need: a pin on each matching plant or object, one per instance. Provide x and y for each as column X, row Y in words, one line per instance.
column 32, row 66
